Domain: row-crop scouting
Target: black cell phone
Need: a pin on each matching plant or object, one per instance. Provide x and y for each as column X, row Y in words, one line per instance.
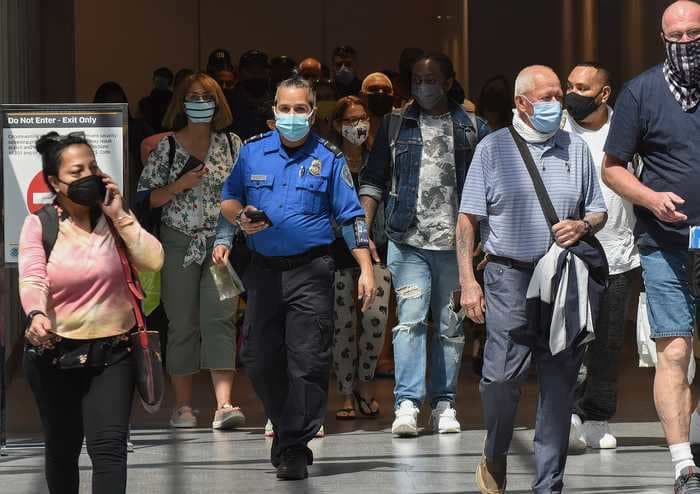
column 191, row 164
column 258, row 215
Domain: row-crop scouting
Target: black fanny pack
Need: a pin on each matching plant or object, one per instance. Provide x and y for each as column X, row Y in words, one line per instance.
column 76, row 354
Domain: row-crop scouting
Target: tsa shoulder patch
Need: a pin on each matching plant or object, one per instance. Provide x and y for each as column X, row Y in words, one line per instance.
column 347, row 176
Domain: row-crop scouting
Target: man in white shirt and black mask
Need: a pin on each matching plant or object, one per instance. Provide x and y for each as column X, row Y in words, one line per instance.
column 588, row 92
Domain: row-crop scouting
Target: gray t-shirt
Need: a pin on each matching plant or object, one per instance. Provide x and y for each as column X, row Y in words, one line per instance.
column 436, row 208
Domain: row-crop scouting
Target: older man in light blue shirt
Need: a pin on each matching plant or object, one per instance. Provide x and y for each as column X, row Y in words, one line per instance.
column 500, row 197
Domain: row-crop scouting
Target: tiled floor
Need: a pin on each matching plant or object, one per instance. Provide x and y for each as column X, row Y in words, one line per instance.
column 361, row 456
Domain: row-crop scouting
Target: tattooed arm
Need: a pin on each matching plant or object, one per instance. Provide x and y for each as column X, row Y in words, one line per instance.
column 472, row 296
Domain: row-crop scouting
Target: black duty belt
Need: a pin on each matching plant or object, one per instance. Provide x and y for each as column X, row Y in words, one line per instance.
column 511, row 263
column 287, row 263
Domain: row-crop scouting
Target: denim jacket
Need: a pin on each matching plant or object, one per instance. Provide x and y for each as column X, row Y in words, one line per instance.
column 393, row 170
column 225, row 232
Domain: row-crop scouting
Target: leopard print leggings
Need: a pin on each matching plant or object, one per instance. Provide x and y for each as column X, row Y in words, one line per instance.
column 355, row 351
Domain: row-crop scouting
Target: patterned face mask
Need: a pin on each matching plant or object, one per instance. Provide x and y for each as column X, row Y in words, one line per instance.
column 682, row 72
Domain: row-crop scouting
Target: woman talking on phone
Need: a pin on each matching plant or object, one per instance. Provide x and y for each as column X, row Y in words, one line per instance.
column 78, row 356
column 184, row 175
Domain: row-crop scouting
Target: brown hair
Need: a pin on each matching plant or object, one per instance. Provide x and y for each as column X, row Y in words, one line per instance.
column 341, row 106
column 175, row 118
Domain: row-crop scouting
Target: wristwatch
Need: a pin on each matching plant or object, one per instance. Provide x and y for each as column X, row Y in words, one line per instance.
column 32, row 315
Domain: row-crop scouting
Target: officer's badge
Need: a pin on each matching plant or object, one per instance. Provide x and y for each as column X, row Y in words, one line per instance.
column 347, row 177
column 315, row 168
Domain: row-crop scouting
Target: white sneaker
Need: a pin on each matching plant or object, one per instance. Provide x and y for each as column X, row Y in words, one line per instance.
column 577, row 441
column 183, row 418
column 444, row 418
column 269, row 431
column 597, row 434
column 406, row 421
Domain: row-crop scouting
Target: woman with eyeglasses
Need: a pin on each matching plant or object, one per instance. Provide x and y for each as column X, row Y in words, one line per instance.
column 356, row 348
column 184, row 176
column 77, row 357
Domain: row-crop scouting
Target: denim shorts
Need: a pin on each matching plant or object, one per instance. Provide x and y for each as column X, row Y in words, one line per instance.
column 670, row 306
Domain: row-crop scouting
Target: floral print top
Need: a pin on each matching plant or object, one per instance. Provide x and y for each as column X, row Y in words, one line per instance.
column 194, row 212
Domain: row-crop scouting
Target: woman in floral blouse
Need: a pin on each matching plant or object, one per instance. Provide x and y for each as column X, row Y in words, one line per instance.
column 187, row 185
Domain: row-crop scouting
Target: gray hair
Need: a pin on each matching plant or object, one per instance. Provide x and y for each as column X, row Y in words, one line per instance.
column 297, row 83
column 525, row 82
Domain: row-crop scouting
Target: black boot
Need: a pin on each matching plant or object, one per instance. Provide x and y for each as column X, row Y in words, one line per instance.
column 293, row 461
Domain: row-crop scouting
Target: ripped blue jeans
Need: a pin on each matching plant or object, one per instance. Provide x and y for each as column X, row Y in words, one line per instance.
column 424, row 282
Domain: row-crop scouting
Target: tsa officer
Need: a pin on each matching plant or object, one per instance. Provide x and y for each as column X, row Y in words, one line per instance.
column 287, row 191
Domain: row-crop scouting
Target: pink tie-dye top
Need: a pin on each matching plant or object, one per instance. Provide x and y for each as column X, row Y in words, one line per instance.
column 82, row 287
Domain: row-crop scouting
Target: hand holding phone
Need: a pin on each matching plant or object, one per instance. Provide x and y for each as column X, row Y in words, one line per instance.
column 256, row 216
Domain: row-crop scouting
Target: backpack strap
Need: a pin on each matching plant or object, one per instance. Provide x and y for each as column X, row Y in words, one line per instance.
column 48, row 215
column 171, row 150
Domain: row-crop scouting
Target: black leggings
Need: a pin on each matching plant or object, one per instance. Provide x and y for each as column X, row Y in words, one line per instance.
column 91, row 403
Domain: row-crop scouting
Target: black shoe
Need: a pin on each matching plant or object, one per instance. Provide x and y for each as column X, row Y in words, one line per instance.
column 275, row 452
column 293, row 463
column 688, row 482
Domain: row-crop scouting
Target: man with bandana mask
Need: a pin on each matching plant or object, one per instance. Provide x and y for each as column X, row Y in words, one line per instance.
column 286, row 191
column 499, row 198
column 423, row 151
column 252, row 95
column 657, row 117
column 588, row 116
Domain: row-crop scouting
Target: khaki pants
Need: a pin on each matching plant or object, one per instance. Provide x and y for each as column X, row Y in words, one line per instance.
column 202, row 333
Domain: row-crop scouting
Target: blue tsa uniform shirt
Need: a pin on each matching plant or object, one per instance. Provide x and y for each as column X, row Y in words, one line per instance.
column 302, row 191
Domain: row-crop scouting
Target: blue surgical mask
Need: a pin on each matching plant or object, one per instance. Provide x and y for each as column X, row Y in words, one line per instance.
column 546, row 116
column 293, row 126
column 200, row 111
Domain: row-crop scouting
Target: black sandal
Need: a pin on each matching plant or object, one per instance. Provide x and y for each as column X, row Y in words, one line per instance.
column 347, row 411
column 366, row 406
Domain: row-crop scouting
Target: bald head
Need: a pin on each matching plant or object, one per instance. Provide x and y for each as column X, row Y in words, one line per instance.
column 681, row 21
column 310, row 69
column 534, row 79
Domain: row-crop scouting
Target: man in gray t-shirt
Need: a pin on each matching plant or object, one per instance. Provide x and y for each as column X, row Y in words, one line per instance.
column 423, row 151
column 436, row 214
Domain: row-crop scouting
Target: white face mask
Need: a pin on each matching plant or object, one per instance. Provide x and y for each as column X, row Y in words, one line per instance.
column 356, row 133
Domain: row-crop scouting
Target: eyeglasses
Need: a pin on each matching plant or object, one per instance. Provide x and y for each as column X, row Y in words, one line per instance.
column 679, row 36
column 199, row 97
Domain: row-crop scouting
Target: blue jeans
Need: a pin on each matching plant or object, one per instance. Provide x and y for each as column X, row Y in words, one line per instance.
column 425, row 280
column 670, row 306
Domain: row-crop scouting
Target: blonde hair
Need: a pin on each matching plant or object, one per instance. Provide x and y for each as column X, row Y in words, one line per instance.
column 175, row 118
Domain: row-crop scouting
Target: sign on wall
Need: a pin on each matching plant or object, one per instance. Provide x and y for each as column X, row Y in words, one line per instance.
column 23, row 188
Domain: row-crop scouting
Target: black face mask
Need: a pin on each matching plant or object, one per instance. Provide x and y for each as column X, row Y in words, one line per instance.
column 255, row 87
column 380, row 104
column 579, row 107
column 88, row 191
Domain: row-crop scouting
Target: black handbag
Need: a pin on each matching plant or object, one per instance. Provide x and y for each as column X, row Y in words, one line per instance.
column 145, row 344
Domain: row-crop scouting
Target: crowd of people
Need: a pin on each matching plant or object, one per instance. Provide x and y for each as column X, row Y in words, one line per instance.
column 342, row 200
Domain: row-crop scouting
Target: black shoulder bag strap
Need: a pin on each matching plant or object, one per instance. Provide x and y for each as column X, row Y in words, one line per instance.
column 545, row 202
column 48, row 215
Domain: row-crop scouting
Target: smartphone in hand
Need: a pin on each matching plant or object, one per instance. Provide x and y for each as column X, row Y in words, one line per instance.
column 257, row 216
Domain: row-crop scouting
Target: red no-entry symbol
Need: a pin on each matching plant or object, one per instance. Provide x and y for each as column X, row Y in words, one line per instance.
column 38, row 194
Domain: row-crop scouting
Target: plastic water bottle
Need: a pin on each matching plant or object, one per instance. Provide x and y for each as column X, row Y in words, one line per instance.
column 227, row 282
